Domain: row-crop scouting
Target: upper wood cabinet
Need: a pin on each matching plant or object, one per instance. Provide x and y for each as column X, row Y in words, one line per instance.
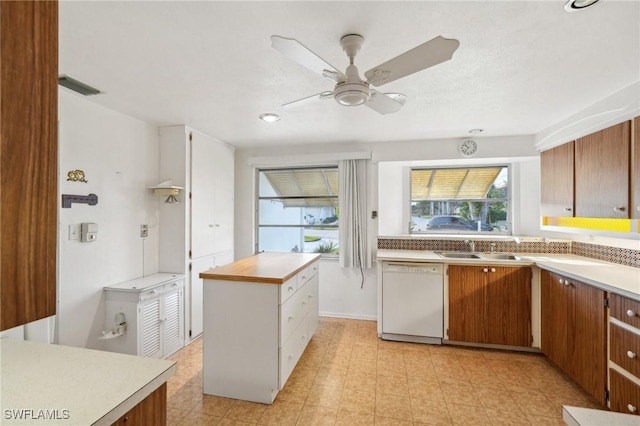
column 602, row 173
column 635, row 170
column 490, row 305
column 556, row 173
column 28, row 160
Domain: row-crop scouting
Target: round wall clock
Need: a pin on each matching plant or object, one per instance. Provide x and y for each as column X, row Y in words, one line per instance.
column 468, row 147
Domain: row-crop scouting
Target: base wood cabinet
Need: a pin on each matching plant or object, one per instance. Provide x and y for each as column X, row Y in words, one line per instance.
column 490, row 305
column 151, row 411
column 624, row 349
column 573, row 327
column 635, row 170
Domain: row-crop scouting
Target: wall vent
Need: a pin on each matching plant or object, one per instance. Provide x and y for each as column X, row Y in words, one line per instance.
column 77, row 86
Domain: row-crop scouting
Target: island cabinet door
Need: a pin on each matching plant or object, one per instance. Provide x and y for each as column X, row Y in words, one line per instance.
column 151, row 411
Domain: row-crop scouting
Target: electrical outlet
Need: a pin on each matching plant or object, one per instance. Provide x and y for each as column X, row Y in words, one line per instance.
column 144, row 231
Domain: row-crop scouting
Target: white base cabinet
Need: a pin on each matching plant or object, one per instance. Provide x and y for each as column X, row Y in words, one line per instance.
column 153, row 308
column 255, row 333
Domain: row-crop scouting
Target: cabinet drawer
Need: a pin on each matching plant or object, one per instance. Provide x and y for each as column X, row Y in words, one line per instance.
column 624, row 394
column 302, row 277
column 625, row 349
column 626, row 310
column 150, row 294
column 290, row 316
column 287, row 289
column 313, row 269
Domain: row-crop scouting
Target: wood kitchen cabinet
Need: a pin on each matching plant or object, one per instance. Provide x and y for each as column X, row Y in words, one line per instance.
column 602, row 173
column 151, row 411
column 556, row 175
column 635, row 170
column 573, row 322
column 28, row 160
column 490, row 305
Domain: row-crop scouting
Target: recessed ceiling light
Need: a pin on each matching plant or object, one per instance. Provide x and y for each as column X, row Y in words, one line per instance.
column 269, row 117
column 476, row 131
column 576, row 5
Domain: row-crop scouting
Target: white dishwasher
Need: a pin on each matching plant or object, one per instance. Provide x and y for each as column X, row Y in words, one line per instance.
column 413, row 302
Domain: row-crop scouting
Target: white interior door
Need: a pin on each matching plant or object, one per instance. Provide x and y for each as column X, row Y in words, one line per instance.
column 204, row 163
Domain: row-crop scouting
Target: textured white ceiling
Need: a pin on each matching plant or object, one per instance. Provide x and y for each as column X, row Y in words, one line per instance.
column 521, row 66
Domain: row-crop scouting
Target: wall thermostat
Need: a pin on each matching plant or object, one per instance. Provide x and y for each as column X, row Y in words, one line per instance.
column 88, row 232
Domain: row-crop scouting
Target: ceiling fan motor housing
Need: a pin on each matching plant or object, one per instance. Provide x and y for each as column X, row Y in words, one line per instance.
column 351, row 93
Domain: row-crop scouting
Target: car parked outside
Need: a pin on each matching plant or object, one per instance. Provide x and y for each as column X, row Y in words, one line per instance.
column 455, row 223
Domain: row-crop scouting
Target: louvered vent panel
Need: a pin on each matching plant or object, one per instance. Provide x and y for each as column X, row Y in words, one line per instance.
column 151, row 329
column 172, row 327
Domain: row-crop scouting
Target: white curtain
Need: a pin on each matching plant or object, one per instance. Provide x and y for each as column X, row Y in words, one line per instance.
column 355, row 251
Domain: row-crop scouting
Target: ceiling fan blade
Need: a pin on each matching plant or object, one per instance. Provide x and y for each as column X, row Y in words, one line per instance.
column 433, row 52
column 299, row 53
column 308, row 99
column 382, row 103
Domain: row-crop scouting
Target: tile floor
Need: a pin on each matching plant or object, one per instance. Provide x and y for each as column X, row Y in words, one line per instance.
column 347, row 376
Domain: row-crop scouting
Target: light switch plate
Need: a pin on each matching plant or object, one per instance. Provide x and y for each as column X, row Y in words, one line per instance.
column 74, row 232
column 144, row 231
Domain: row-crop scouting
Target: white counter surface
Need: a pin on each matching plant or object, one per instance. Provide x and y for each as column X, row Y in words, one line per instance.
column 73, row 386
column 144, row 283
column 577, row 416
column 620, row 279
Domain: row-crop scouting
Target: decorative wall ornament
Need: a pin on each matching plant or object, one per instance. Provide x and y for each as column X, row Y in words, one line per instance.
column 76, row 176
column 67, row 199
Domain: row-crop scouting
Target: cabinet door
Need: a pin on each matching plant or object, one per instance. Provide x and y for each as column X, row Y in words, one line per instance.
column 602, row 173
column 223, row 197
column 588, row 362
column 203, row 224
column 195, row 301
column 508, row 306
column 151, row 411
column 150, row 328
column 555, row 304
column 635, row 170
column 29, row 160
column 173, row 327
column 556, row 176
column 467, row 303
column 625, row 394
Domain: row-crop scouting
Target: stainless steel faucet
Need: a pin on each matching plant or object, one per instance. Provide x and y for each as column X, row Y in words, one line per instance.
column 472, row 245
column 493, row 247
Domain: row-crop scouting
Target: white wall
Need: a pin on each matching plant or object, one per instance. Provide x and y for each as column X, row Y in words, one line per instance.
column 119, row 156
column 342, row 290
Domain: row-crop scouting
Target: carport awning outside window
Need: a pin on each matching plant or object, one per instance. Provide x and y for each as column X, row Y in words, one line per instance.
column 316, row 187
column 450, row 184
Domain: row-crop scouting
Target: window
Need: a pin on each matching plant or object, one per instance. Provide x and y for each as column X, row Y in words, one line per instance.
column 460, row 200
column 298, row 210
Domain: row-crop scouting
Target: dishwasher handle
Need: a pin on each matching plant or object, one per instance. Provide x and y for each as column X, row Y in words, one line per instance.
column 414, row 268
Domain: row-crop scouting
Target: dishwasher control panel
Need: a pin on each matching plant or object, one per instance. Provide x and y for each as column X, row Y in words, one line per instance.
column 416, row 269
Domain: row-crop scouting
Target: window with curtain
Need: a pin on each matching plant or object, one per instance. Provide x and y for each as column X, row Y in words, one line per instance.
column 298, row 210
column 460, row 200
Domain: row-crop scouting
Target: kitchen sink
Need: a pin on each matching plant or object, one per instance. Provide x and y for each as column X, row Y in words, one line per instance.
column 458, row 255
column 499, row 256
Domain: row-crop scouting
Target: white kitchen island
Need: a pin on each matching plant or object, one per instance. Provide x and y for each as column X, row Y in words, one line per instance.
column 259, row 314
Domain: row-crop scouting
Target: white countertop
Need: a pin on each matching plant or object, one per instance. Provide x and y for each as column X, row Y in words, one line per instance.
column 620, row 279
column 74, row 385
column 144, row 283
column 577, row 416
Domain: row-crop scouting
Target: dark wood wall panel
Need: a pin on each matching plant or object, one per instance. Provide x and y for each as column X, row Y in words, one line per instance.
column 28, row 160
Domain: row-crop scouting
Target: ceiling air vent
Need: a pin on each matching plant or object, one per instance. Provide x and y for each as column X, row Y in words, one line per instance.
column 77, row 86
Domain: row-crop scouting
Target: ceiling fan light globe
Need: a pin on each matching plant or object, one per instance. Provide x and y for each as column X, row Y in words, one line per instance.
column 351, row 94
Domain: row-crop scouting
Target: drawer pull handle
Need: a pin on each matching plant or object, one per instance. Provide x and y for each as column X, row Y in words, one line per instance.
column 493, row 269
column 304, row 277
column 290, row 317
column 631, row 408
column 630, row 313
column 619, row 209
column 304, row 303
column 631, row 354
column 567, row 209
column 290, row 288
column 485, row 270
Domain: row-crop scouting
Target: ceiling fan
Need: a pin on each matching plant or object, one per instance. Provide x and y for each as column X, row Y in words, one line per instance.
column 350, row 88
